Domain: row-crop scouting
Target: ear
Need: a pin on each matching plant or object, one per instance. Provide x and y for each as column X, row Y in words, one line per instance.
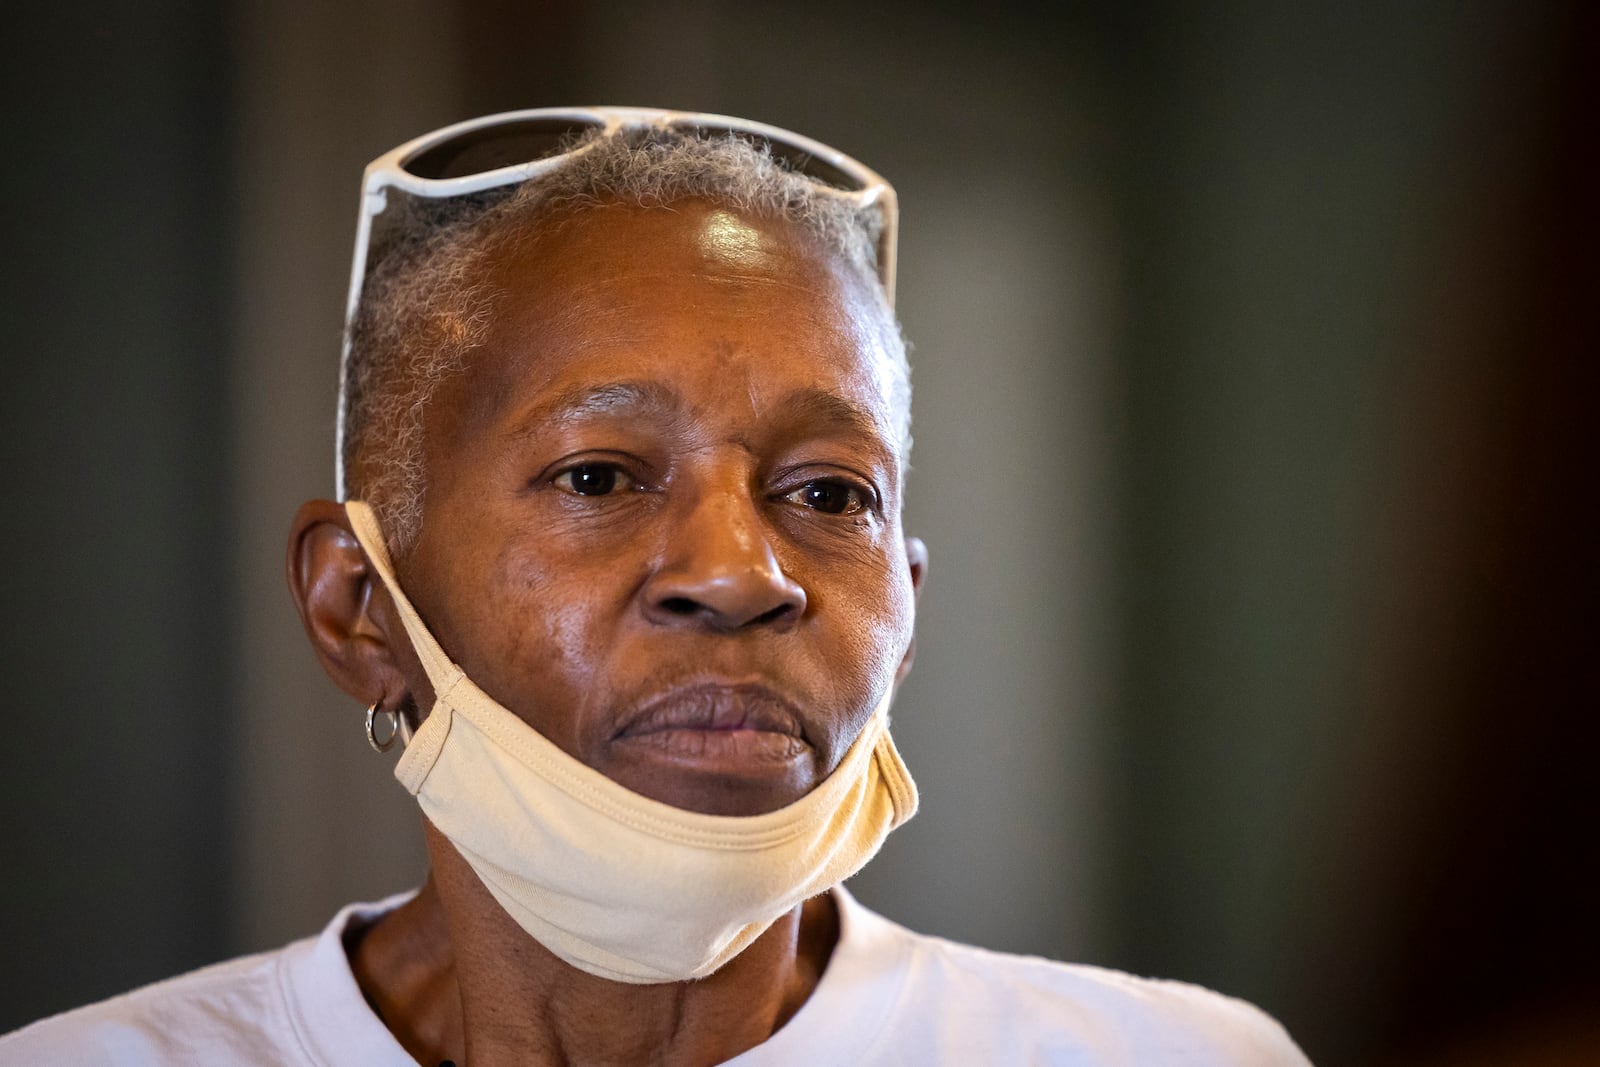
column 332, row 585
column 917, row 561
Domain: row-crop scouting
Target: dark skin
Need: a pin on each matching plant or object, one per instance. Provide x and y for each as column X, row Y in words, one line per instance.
column 662, row 526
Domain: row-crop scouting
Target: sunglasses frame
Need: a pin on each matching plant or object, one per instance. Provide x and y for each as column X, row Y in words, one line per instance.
column 389, row 171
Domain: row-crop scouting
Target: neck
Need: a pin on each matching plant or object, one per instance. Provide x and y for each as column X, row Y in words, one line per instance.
column 454, row 978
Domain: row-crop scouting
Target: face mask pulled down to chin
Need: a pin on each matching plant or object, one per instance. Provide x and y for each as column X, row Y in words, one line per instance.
column 614, row 883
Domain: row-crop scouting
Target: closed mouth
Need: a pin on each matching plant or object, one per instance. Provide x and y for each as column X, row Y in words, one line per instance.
column 715, row 747
column 715, row 708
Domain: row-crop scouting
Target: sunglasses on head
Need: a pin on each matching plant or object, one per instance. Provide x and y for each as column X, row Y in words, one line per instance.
column 517, row 146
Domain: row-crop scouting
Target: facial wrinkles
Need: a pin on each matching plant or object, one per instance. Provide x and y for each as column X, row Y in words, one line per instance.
column 851, row 410
column 672, row 336
column 617, row 402
column 549, row 325
column 744, row 262
column 728, row 241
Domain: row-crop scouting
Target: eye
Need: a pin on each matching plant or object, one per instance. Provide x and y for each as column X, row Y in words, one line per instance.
column 593, row 479
column 829, row 497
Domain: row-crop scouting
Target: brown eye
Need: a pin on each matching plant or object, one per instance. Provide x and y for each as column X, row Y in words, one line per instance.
column 829, row 497
column 592, row 479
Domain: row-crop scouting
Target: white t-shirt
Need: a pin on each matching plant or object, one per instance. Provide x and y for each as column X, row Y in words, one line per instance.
column 888, row 996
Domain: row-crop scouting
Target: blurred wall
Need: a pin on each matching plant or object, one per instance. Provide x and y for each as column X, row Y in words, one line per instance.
column 1249, row 652
column 1356, row 243
column 117, row 615
column 319, row 93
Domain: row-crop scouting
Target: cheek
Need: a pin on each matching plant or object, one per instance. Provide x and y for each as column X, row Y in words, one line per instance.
column 882, row 615
column 545, row 634
column 894, row 630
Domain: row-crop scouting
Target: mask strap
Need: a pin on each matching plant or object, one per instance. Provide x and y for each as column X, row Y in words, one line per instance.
column 440, row 670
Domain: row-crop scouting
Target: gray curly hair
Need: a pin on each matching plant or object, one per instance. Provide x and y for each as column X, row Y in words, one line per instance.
column 423, row 307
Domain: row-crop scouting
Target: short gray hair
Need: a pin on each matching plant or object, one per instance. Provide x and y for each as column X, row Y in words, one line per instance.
column 423, row 307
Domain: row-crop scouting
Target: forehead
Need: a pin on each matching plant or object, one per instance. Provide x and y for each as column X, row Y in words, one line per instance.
column 718, row 304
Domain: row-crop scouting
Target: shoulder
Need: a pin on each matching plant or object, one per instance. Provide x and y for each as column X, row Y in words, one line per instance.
column 1066, row 1006
column 196, row 1017
column 297, row 1005
column 993, row 1006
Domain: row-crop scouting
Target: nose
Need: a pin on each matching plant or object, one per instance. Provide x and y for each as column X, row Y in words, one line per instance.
column 720, row 571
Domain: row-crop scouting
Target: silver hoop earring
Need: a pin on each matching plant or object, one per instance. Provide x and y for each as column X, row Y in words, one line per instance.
column 372, row 734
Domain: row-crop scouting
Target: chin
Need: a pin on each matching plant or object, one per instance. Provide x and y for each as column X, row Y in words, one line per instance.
column 738, row 771
column 716, row 792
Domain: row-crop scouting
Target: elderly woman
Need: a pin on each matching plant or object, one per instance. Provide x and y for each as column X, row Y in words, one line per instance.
column 623, row 428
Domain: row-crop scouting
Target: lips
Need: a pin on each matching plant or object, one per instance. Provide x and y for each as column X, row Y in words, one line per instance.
column 716, row 748
column 714, row 708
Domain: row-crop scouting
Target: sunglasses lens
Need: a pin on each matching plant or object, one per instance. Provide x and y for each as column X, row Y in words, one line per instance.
column 504, row 145
column 791, row 156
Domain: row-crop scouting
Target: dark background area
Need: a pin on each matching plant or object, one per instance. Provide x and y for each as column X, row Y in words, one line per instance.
column 1255, row 373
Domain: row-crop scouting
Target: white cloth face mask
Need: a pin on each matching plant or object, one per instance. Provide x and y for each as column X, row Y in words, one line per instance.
column 615, row 883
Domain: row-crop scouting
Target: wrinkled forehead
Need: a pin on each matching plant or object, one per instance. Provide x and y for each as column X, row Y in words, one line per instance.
column 613, row 283
column 563, row 249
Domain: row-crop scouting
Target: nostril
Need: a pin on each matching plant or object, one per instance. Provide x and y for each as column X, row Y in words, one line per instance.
column 775, row 614
column 680, row 605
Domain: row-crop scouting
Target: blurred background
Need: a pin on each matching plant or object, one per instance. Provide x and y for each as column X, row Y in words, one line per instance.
column 1254, row 355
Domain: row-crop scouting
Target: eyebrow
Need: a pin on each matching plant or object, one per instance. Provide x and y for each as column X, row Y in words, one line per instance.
column 832, row 410
column 633, row 399
column 613, row 399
